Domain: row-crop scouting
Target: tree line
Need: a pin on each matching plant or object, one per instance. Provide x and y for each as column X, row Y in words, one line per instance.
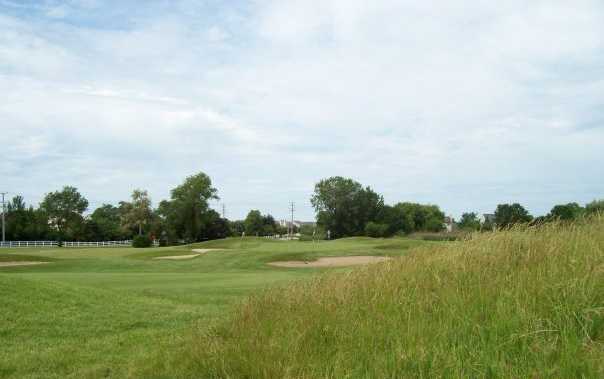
column 185, row 217
column 507, row 215
column 343, row 208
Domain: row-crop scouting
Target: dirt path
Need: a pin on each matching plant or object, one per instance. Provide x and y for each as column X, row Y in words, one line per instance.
column 332, row 262
column 21, row 263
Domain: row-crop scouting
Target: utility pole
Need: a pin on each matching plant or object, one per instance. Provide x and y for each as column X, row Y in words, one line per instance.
column 223, row 211
column 292, row 207
column 3, row 221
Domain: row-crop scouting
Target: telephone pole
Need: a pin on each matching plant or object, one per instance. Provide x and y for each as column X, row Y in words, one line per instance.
column 292, row 208
column 3, row 221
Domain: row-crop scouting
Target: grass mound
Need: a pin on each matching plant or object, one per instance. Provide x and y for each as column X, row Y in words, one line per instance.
column 527, row 302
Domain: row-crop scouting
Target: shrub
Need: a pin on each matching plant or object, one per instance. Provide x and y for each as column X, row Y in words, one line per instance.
column 142, row 241
column 375, row 230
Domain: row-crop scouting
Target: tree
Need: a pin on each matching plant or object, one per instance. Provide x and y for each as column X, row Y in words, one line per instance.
column 105, row 223
column 237, row 227
column 64, row 211
column 254, row 223
column 410, row 217
column 509, row 214
column 344, row 207
column 566, row 212
column 186, row 212
column 434, row 218
column 596, row 206
column 215, row 226
column 24, row 223
column 138, row 212
column 469, row 221
column 399, row 218
column 270, row 226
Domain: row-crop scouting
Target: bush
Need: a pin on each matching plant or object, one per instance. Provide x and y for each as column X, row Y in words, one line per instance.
column 142, row 241
column 375, row 230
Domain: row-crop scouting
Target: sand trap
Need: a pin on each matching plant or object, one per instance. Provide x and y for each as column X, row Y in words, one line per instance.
column 191, row 256
column 203, row 251
column 22, row 263
column 178, row 257
column 333, row 261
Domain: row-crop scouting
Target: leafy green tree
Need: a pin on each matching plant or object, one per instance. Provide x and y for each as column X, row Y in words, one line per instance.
column 469, row 221
column 25, row 223
column 410, row 217
column 510, row 214
column 596, row 206
column 399, row 218
column 105, row 222
column 270, row 226
column 186, row 212
column 17, row 220
column 434, row 218
column 64, row 210
column 344, row 207
column 237, row 227
column 254, row 223
column 137, row 213
column 168, row 225
column 215, row 226
column 566, row 212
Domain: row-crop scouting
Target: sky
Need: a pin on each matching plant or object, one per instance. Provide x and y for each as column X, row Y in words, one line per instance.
column 464, row 104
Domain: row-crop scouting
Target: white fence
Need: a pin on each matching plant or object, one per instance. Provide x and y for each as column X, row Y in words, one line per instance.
column 126, row 243
column 99, row 244
column 29, row 244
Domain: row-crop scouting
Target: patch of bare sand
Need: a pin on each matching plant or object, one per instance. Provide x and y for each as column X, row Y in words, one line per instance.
column 20, row 263
column 332, row 262
column 178, row 257
column 203, row 251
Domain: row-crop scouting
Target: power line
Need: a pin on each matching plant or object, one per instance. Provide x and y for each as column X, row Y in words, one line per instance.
column 3, row 221
column 292, row 208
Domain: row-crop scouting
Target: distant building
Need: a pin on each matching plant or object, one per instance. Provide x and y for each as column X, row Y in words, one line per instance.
column 297, row 223
column 449, row 224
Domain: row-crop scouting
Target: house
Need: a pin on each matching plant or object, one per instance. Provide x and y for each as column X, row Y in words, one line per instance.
column 449, row 224
column 297, row 224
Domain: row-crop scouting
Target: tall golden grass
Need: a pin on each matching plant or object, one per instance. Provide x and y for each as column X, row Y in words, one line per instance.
column 518, row 303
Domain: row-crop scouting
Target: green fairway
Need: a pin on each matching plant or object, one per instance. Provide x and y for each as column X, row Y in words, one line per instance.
column 101, row 312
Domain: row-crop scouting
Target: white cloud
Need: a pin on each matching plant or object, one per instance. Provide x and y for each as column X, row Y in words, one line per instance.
column 465, row 104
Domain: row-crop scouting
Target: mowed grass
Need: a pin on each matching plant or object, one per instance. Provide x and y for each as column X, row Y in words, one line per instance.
column 111, row 312
column 522, row 303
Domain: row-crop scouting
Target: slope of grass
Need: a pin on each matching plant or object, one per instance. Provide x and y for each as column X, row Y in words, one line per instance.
column 527, row 302
column 106, row 312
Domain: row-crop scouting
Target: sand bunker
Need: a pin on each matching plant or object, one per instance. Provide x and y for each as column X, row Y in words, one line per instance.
column 333, row 261
column 191, row 256
column 22, row 263
column 203, row 251
column 178, row 257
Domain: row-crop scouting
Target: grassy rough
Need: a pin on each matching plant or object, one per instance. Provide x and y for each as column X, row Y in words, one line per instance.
column 111, row 312
column 526, row 302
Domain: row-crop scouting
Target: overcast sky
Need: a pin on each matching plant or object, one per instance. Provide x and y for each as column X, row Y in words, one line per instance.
column 464, row 104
